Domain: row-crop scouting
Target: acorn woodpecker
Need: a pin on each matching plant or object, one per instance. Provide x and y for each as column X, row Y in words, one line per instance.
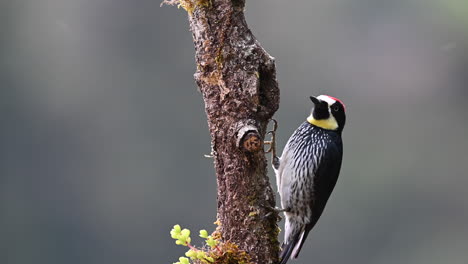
column 308, row 169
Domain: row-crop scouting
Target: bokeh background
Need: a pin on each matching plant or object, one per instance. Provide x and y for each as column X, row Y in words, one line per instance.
column 103, row 132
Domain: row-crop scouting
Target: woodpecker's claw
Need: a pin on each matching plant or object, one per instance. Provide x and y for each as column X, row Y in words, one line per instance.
column 274, row 210
column 272, row 143
column 278, row 210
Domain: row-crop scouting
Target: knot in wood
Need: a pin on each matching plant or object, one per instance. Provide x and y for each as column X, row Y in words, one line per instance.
column 248, row 139
column 252, row 142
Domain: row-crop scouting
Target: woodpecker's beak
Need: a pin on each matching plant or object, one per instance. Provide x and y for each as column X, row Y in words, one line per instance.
column 315, row 100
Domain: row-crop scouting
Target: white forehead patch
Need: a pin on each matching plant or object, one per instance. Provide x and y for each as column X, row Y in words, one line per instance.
column 327, row 99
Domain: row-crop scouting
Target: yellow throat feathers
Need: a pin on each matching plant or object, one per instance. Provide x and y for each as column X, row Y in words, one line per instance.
column 329, row 124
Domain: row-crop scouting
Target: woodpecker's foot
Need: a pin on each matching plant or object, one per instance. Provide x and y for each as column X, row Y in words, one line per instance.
column 278, row 210
column 272, row 143
column 270, row 214
column 274, row 211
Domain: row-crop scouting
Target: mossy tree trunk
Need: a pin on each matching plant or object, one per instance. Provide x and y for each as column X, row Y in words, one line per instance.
column 237, row 78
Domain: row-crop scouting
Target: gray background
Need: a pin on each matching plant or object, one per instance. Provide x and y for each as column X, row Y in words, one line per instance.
column 103, row 131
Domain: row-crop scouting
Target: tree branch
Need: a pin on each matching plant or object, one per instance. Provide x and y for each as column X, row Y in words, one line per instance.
column 237, row 78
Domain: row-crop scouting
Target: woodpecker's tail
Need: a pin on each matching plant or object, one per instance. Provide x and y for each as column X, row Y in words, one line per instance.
column 286, row 252
column 291, row 250
column 294, row 238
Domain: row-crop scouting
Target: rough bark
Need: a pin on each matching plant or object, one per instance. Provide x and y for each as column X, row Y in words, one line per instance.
column 237, row 78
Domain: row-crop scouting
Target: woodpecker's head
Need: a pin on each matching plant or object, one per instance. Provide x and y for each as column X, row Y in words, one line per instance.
column 328, row 113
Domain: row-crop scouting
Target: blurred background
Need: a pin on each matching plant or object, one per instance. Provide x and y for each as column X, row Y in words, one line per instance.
column 103, row 131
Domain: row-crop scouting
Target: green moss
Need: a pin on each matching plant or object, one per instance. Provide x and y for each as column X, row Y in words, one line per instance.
column 216, row 251
column 231, row 254
column 190, row 5
column 219, row 59
column 252, row 200
column 274, row 235
column 253, row 213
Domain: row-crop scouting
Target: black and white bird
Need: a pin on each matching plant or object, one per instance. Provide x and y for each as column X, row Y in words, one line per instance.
column 307, row 171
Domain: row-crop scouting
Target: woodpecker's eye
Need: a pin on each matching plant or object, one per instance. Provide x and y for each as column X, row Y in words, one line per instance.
column 335, row 108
